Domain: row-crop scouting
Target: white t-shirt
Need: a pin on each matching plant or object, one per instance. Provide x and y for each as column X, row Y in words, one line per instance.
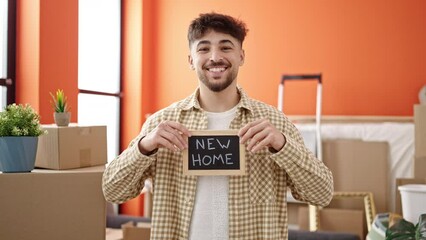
column 210, row 218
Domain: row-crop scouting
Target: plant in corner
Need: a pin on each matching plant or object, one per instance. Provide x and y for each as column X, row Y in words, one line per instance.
column 404, row 230
column 61, row 109
column 19, row 131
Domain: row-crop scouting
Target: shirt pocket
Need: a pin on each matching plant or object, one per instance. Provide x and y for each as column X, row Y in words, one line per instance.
column 262, row 179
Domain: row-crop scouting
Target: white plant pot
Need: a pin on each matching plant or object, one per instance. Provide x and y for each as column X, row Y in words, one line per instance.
column 62, row 119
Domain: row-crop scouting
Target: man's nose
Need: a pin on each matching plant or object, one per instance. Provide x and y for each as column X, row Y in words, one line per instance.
column 216, row 56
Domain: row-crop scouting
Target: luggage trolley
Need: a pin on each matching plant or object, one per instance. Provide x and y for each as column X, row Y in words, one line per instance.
column 318, row 78
column 313, row 211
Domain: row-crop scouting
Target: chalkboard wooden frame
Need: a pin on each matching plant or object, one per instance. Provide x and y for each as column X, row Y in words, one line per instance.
column 215, row 172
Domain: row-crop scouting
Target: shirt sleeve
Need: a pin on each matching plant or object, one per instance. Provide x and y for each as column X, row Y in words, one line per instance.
column 124, row 177
column 308, row 177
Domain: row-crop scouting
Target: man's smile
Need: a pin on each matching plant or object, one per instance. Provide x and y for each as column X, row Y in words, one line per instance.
column 216, row 72
column 216, row 69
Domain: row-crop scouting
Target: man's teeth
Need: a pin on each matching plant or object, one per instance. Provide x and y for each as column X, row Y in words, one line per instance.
column 217, row 69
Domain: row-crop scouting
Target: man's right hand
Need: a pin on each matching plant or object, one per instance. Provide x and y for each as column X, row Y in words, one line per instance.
column 168, row 134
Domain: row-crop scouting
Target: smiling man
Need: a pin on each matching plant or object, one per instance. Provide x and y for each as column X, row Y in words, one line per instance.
column 252, row 206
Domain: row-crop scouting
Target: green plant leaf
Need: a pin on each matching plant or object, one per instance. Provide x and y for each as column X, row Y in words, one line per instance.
column 421, row 227
column 20, row 120
column 59, row 101
column 401, row 230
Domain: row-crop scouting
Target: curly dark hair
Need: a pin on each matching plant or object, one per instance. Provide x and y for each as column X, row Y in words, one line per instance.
column 219, row 23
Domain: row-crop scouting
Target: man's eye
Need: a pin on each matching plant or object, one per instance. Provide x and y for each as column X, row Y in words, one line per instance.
column 226, row 48
column 203, row 49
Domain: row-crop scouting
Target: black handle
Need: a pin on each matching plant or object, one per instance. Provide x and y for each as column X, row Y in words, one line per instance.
column 5, row 81
column 302, row 77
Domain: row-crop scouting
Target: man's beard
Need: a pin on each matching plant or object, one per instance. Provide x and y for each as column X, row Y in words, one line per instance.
column 215, row 86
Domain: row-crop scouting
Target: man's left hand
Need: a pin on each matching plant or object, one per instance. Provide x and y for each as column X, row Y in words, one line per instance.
column 261, row 133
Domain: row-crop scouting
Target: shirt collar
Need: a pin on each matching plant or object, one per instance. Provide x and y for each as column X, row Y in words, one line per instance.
column 192, row 101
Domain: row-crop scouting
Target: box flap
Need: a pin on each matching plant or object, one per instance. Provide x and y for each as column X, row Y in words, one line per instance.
column 131, row 232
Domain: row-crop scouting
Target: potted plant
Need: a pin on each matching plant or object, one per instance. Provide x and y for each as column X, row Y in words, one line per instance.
column 406, row 230
column 19, row 131
column 60, row 105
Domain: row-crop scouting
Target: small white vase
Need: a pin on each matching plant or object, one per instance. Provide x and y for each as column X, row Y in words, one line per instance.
column 62, row 119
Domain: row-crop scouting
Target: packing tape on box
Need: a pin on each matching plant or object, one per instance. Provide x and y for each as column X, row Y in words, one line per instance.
column 85, row 157
column 85, row 131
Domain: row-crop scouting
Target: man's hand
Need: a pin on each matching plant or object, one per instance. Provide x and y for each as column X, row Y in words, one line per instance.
column 168, row 134
column 261, row 133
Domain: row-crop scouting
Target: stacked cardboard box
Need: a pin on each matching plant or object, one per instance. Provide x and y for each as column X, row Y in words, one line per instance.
column 419, row 155
column 141, row 231
column 420, row 141
column 58, row 204
column 357, row 166
column 72, row 147
column 52, row 205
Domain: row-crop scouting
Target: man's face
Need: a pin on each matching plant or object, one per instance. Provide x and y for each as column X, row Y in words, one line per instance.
column 216, row 58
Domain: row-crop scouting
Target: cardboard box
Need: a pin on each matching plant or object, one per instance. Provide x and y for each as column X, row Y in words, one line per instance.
column 72, row 147
column 419, row 130
column 141, row 231
column 114, row 234
column 100, row 168
column 293, row 213
column 420, row 167
column 359, row 166
column 405, row 181
column 336, row 220
column 52, row 205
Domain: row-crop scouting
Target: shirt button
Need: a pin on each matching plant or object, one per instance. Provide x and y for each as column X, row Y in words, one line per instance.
column 188, row 200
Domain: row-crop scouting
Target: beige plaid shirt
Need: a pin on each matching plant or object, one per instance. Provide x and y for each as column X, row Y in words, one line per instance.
column 257, row 200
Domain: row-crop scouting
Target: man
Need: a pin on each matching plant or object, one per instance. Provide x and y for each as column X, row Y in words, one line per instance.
column 252, row 206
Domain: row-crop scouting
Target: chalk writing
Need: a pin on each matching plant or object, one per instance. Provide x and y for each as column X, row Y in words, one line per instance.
column 214, row 152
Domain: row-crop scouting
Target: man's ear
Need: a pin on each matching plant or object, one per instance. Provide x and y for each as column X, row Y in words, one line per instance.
column 242, row 56
column 190, row 61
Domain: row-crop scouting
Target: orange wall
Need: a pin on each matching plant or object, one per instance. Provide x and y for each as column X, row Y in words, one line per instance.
column 372, row 53
column 138, row 63
column 131, row 75
column 27, row 52
column 47, row 54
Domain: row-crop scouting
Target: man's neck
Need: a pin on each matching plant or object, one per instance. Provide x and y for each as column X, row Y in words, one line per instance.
column 218, row 101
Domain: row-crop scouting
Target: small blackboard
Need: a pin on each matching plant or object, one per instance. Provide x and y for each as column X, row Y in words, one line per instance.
column 214, row 153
